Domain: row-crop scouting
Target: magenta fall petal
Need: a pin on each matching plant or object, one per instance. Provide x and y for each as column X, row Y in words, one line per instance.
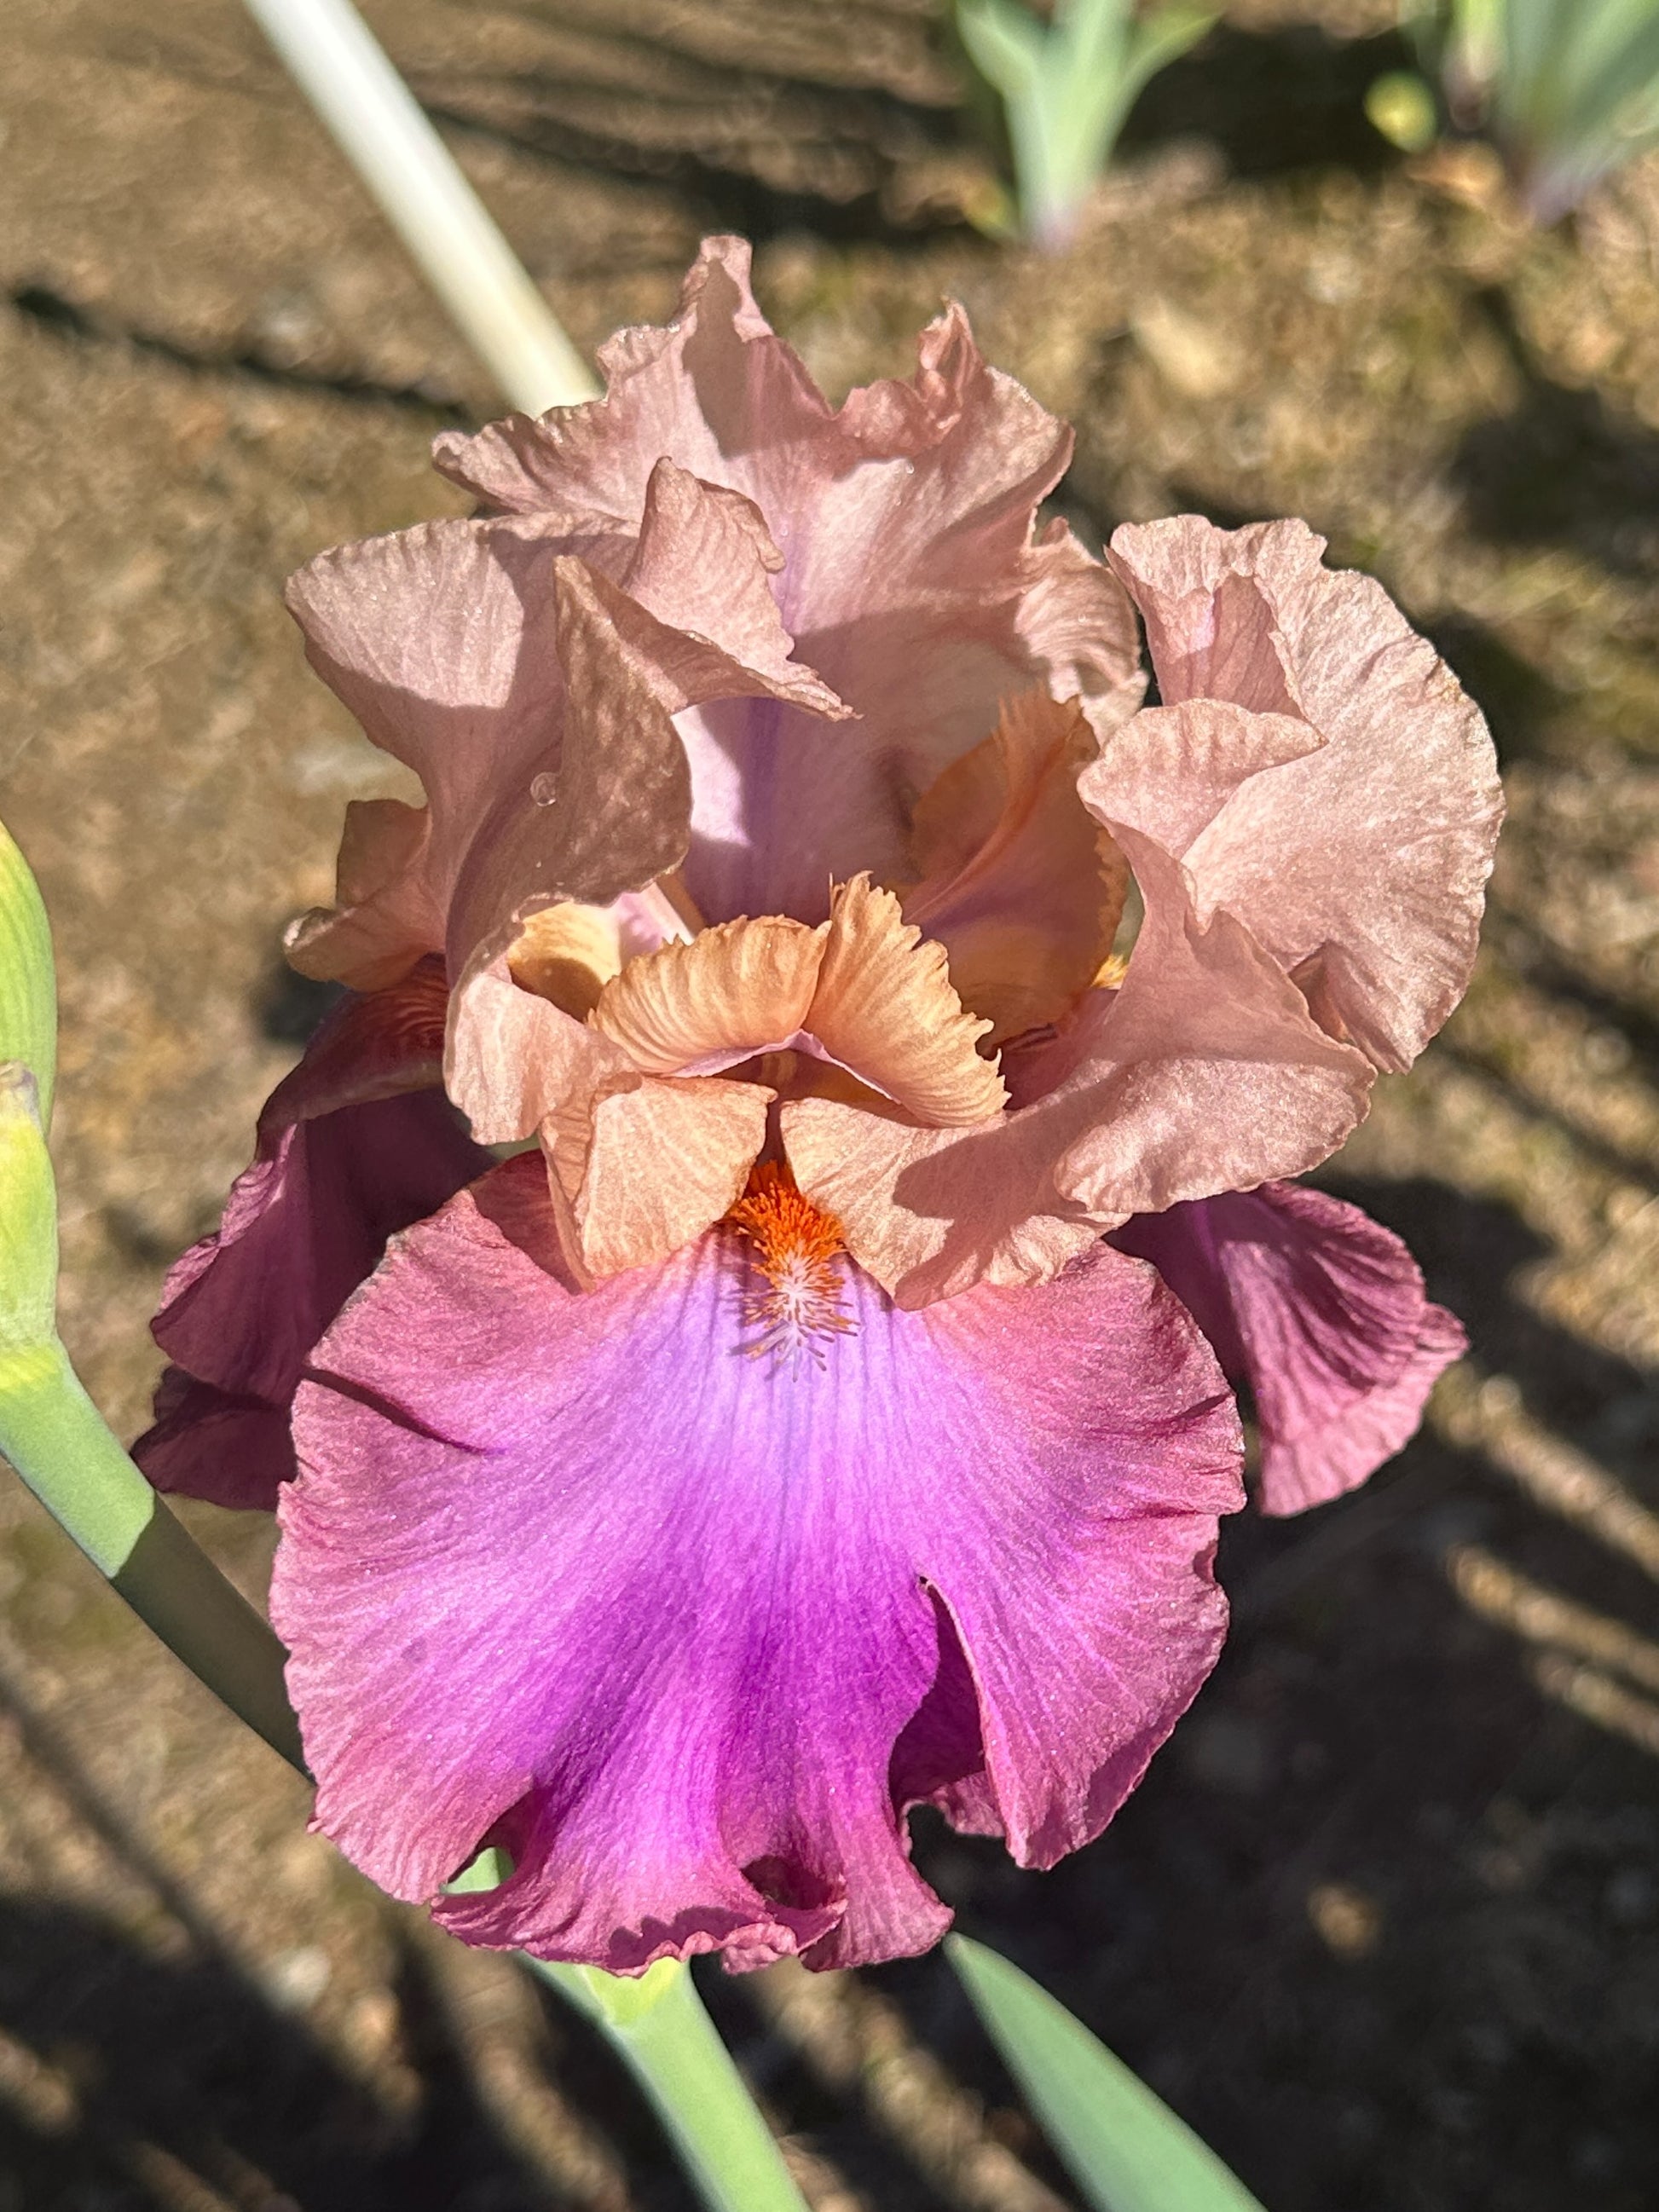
column 1322, row 1312
column 657, row 1615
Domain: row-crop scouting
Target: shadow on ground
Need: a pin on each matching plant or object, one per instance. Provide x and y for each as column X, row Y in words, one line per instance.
column 1563, row 468
column 1272, row 101
column 768, row 151
column 127, row 2073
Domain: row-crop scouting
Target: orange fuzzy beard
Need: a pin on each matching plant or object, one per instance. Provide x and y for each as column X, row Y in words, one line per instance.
column 795, row 1246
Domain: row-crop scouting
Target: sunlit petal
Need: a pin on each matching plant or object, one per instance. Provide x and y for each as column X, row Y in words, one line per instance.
column 675, row 1657
column 1019, row 883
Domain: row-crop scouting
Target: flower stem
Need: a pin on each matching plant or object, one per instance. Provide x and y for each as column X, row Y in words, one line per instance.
column 390, row 140
column 58, row 1442
column 659, row 2028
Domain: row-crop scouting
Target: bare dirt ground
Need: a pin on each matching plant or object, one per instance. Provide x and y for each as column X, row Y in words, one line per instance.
column 1384, row 1922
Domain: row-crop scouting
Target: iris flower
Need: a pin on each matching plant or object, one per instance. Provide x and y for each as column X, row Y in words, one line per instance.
column 892, row 1039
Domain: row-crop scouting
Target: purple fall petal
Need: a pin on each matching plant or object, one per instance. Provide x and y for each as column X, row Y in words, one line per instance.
column 1321, row 1311
column 688, row 1630
column 353, row 1144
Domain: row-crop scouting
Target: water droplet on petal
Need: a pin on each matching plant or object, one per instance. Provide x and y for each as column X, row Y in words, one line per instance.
column 544, row 788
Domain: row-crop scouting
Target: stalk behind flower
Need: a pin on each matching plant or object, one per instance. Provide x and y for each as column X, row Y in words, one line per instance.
column 384, row 132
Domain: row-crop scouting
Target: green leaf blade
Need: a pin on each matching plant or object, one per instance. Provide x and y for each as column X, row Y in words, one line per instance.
column 1005, row 44
column 1124, row 2147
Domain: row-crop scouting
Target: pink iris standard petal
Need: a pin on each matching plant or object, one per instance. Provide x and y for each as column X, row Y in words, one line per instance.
column 440, row 642
column 910, row 578
column 714, row 389
column 700, row 567
column 491, row 665
column 354, row 1144
column 532, row 693
column 688, row 1630
column 1362, row 866
column 961, row 450
column 1321, row 1311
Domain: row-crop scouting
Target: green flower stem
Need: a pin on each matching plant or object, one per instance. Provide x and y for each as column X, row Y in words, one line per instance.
column 58, row 1442
column 659, row 2028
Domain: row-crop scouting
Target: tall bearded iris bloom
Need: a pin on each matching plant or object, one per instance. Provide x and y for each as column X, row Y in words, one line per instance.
column 829, row 1412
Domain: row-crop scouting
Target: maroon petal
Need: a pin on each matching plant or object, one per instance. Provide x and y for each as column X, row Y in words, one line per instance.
column 1322, row 1312
column 353, row 1145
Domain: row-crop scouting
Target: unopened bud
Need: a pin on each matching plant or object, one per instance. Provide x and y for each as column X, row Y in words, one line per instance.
column 28, row 1010
column 28, row 1218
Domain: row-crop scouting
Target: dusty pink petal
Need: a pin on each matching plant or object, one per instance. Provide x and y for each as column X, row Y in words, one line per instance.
column 491, row 665
column 1211, row 632
column 702, row 567
column 714, row 389
column 778, row 815
column 532, row 695
column 1322, row 1312
column 650, row 1164
column 441, row 642
column 384, row 916
column 1205, row 1071
column 949, row 464
column 354, row 1145
column 613, row 814
column 911, row 581
column 688, row 1630
column 1076, row 626
column 514, row 1058
column 1361, row 867
column 1171, row 770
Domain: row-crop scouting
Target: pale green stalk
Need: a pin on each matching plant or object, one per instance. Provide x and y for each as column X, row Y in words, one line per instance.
column 657, row 2027
column 1568, row 89
column 58, row 1441
column 390, row 140
column 50, row 1430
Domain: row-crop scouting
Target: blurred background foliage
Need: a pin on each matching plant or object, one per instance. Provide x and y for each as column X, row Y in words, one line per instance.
column 1567, row 90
